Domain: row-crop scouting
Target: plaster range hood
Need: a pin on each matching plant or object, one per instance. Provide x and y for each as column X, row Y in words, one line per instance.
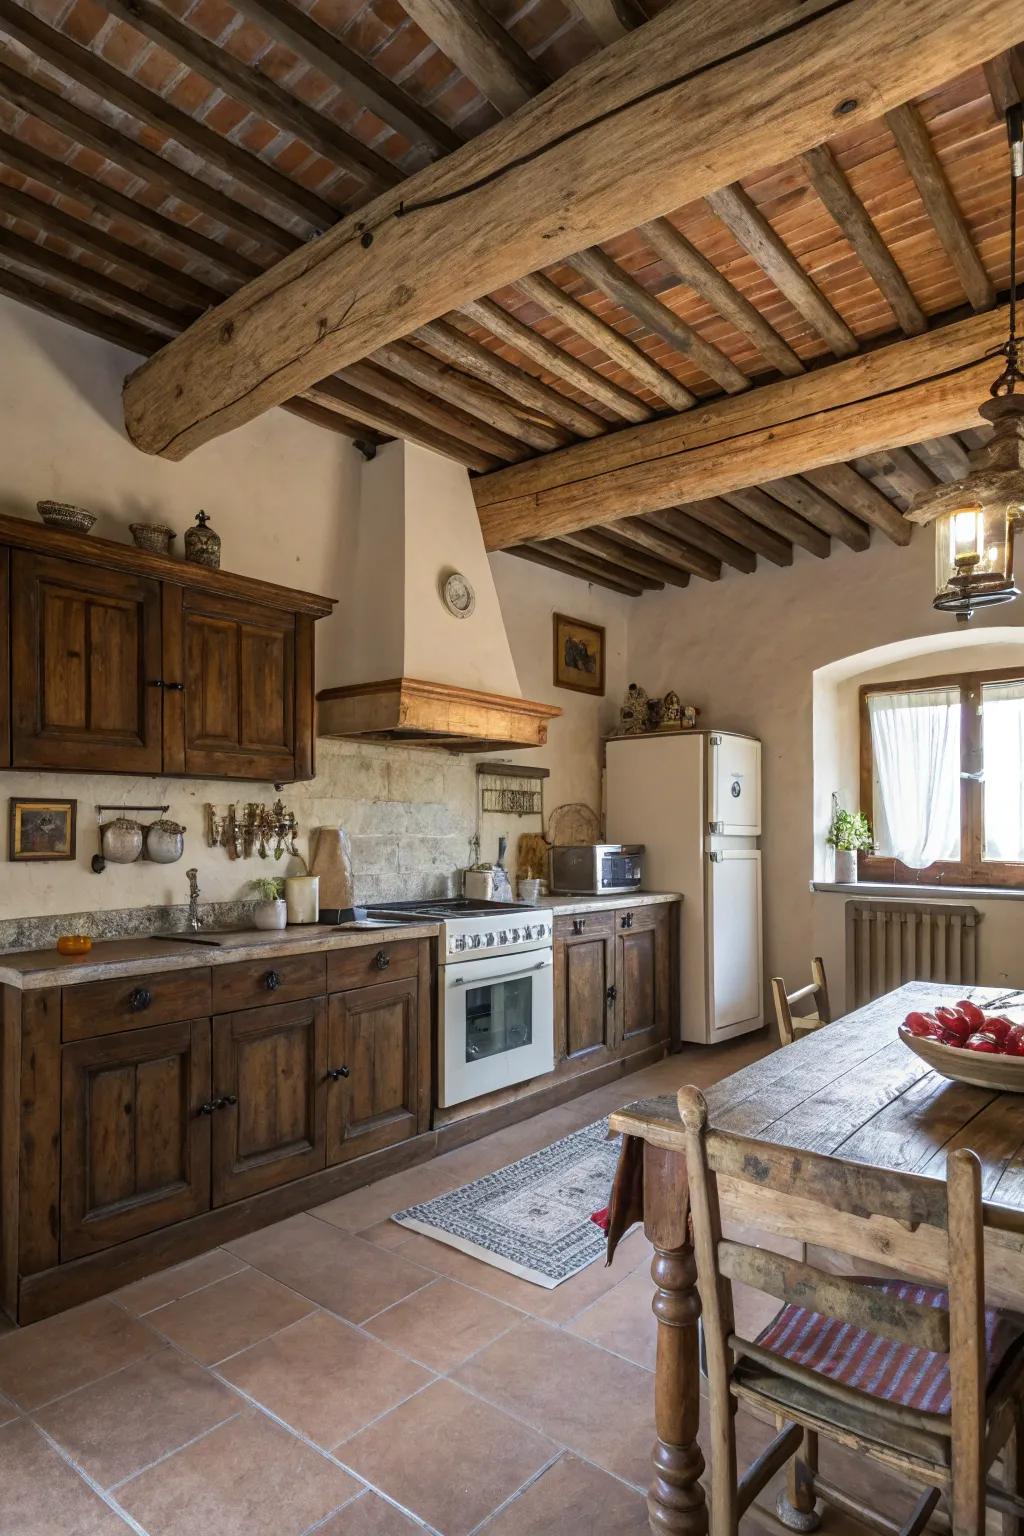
column 408, row 672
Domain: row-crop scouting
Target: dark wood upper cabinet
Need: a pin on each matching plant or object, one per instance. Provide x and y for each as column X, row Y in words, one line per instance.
column 85, row 667
column 116, row 660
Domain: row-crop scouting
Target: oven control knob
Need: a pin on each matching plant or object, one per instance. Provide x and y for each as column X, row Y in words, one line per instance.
column 503, row 936
column 475, row 941
column 515, row 935
column 459, row 941
column 489, row 939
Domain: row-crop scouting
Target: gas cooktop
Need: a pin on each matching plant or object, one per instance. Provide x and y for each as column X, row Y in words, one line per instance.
column 474, row 929
column 446, row 907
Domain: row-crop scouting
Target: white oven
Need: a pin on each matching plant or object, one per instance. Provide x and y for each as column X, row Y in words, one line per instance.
column 496, row 1022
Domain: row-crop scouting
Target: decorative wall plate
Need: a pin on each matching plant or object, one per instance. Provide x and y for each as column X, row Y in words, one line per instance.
column 457, row 595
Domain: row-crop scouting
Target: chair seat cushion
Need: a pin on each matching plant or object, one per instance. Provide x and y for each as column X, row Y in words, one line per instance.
column 884, row 1368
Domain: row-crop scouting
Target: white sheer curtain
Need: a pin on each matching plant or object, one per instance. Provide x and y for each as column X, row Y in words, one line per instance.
column 915, row 740
column 1002, row 733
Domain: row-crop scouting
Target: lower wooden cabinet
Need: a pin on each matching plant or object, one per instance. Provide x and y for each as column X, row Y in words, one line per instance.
column 585, row 990
column 377, row 1044
column 643, row 976
column 613, row 983
column 135, row 1149
column 269, row 1096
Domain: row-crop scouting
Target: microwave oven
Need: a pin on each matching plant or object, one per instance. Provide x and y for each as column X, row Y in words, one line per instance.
column 597, row 869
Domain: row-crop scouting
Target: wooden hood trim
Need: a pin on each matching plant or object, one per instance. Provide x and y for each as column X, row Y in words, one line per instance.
column 408, row 711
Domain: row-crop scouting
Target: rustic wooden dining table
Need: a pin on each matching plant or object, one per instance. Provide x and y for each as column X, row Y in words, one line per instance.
column 852, row 1089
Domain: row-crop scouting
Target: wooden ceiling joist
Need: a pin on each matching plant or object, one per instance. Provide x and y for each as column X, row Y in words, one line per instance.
column 425, row 406
column 539, row 555
column 608, row 19
column 1005, row 77
column 599, row 566
column 920, row 387
column 748, row 224
column 701, row 536
column 578, row 318
column 821, row 511
column 630, row 557
column 83, row 67
column 908, row 129
column 667, row 547
column 842, row 202
column 382, row 416
column 771, row 514
column 723, row 518
column 944, row 456
column 704, row 278
column 126, row 300
column 467, row 33
column 657, row 317
column 860, row 497
column 897, row 472
column 535, row 188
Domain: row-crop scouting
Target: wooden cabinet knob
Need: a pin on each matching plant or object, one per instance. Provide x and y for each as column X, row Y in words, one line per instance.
column 272, row 980
column 383, row 960
column 140, row 999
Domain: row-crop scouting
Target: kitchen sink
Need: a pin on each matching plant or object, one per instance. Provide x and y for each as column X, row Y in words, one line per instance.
column 243, row 938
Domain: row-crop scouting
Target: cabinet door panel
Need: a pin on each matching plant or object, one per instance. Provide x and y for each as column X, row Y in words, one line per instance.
column 270, row 1063
column 135, row 1150
column 238, row 667
column 584, row 1011
column 643, row 979
column 374, row 1032
column 85, row 650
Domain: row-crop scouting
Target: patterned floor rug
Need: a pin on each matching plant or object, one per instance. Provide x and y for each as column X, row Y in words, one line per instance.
column 532, row 1218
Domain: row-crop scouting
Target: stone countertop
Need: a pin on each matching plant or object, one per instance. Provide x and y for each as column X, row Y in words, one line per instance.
column 565, row 905
column 110, row 958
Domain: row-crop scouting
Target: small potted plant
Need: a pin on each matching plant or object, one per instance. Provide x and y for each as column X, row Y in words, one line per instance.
column 270, row 910
column 849, row 834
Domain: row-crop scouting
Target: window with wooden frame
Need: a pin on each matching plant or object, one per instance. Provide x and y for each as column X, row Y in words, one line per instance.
column 942, row 779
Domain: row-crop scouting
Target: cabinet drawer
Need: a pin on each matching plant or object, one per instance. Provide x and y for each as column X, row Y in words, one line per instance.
column 105, row 1007
column 585, row 925
column 365, row 964
column 252, row 982
column 634, row 918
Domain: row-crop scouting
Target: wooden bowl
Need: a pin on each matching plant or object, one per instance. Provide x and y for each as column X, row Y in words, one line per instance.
column 999, row 1074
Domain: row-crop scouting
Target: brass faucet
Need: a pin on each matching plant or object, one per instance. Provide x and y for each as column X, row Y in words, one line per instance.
column 194, row 920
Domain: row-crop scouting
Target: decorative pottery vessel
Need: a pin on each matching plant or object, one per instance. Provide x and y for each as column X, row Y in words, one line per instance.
column 202, row 544
column 61, row 514
column 302, row 896
column 270, row 914
column 846, row 866
column 155, row 537
column 121, row 840
column 165, row 841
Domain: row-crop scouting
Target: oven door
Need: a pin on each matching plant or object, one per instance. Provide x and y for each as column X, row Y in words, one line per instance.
column 497, row 1023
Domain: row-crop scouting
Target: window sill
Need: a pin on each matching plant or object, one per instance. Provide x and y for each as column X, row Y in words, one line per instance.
column 908, row 892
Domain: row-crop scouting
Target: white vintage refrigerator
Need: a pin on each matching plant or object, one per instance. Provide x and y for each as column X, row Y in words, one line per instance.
column 694, row 800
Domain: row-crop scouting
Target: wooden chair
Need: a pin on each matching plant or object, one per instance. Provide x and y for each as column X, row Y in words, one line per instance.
column 923, row 1379
column 803, row 1023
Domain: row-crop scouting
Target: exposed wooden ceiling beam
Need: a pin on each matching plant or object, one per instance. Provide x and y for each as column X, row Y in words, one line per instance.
column 908, row 129
column 764, row 78
column 667, row 547
column 256, row 91
column 921, row 387
column 704, row 278
column 800, row 496
column 701, row 536
column 427, row 407
column 599, row 267
column 842, row 202
column 365, row 438
column 52, row 220
column 109, row 84
column 750, row 227
column 538, row 555
column 718, row 514
column 1005, row 77
column 631, row 557
column 53, row 108
column 543, row 291
column 608, row 19
column 130, row 301
column 453, row 345
column 104, row 200
column 860, row 497
column 480, row 400
column 601, row 566
column 764, row 509
column 555, row 359
column 382, row 416
column 898, row 469
column 468, row 34
column 944, row 456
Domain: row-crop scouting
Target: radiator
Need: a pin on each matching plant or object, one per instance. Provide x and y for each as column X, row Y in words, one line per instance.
column 890, row 942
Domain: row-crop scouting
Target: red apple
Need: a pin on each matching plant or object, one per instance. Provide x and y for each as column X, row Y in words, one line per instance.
column 947, row 1016
column 1014, row 1042
column 949, row 1037
column 971, row 1012
column 998, row 1026
column 981, row 1040
column 920, row 1023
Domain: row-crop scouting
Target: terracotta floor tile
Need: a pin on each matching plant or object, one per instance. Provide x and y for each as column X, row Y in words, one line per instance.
column 324, row 1378
column 573, row 1496
column 247, row 1478
column 42, row 1495
column 592, row 1402
column 443, row 1324
column 622, row 1320
column 50, row 1358
column 364, row 1207
column 218, row 1321
column 385, row 1234
column 447, row 1457
column 7, row 1411
column 157, row 1290
column 369, row 1516
column 332, row 1267
column 121, row 1424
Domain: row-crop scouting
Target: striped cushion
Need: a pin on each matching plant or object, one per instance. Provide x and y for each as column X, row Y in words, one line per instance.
column 900, row 1373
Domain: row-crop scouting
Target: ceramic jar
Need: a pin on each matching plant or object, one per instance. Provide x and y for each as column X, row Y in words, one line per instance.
column 165, row 841
column 121, row 840
column 270, row 914
column 302, row 895
column 155, row 537
column 846, row 866
column 202, row 544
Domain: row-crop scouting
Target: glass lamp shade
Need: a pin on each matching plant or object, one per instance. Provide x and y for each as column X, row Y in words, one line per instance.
column 974, row 556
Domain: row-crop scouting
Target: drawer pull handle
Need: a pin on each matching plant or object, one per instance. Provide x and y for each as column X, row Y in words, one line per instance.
column 627, row 921
column 383, row 960
column 140, row 999
column 272, row 980
column 229, row 1098
column 158, row 682
column 209, row 1107
column 214, row 1104
column 334, row 1073
column 578, row 924
column 611, row 995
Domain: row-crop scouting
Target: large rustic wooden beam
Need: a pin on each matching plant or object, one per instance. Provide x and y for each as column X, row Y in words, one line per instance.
column 921, row 387
column 468, row 34
column 608, row 19
column 590, row 157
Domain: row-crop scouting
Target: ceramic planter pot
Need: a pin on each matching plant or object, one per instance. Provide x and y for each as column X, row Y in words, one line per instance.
column 270, row 914
column 846, row 866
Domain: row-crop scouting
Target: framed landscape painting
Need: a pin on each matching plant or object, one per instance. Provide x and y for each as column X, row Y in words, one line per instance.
column 42, row 829
column 579, row 655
